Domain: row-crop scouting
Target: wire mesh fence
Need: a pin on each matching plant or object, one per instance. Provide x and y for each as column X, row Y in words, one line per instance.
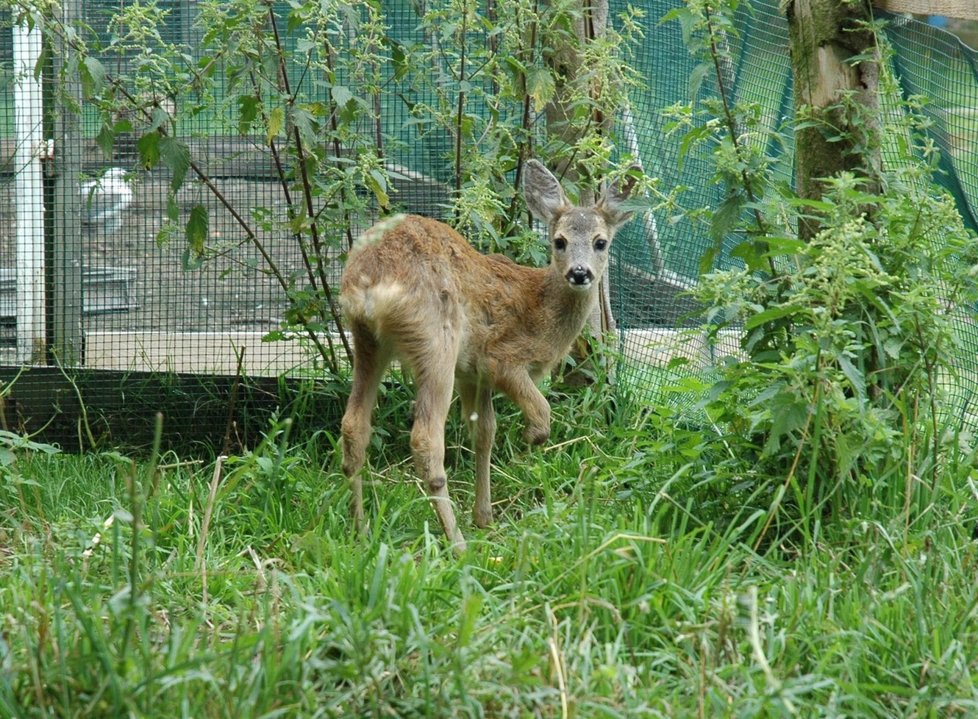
column 98, row 293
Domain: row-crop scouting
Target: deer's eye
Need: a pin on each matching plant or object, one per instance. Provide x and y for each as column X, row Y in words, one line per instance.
column 560, row 244
column 600, row 244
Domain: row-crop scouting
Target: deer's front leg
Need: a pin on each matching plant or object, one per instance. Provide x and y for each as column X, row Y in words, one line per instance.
column 516, row 384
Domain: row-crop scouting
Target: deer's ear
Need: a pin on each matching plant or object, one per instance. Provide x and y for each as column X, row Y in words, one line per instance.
column 618, row 193
column 543, row 193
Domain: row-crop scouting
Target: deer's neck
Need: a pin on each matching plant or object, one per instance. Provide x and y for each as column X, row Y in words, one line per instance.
column 567, row 307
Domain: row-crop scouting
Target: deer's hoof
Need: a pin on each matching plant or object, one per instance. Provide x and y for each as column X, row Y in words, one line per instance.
column 459, row 546
column 536, row 435
column 482, row 518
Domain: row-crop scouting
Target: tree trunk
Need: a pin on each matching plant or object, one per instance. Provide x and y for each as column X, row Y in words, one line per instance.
column 835, row 64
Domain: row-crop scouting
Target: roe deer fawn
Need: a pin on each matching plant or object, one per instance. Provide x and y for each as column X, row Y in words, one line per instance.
column 414, row 289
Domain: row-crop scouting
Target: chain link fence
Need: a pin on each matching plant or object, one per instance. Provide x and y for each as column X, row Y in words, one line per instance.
column 107, row 316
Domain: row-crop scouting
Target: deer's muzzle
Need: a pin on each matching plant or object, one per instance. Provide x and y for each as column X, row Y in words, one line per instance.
column 579, row 276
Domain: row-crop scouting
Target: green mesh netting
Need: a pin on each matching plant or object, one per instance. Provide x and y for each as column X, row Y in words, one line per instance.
column 658, row 323
column 138, row 309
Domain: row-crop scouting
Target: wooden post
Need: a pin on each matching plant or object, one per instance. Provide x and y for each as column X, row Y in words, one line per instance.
column 66, row 251
column 836, row 90
column 29, row 200
column 959, row 9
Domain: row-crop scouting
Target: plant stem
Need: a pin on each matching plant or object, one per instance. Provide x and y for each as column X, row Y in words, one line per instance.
column 460, row 106
column 731, row 124
column 302, row 160
column 525, row 145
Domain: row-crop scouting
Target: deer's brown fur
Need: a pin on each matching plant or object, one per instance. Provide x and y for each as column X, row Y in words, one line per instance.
column 414, row 289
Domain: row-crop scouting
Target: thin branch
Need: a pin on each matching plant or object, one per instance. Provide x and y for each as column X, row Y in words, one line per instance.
column 307, row 192
column 731, row 123
column 460, row 107
column 74, row 42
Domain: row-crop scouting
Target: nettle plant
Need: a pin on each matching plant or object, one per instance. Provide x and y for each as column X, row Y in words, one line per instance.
column 485, row 84
column 848, row 340
column 315, row 84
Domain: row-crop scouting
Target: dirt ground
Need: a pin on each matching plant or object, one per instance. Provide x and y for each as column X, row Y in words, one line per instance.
column 231, row 290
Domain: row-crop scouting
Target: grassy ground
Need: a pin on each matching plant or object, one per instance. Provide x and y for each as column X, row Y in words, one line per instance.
column 617, row 582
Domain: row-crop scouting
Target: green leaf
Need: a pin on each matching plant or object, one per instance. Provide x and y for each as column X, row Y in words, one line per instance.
column 708, row 258
column 892, row 346
column 92, row 76
column 148, row 147
column 690, row 140
column 540, row 87
column 165, row 234
column 42, row 60
column 176, row 156
column 854, row 376
column 341, row 95
column 172, row 207
column 772, row 313
column 299, row 222
column 377, row 584
column 399, row 58
column 17, row 441
column 778, row 246
column 276, row 121
column 515, row 65
column 803, row 203
column 786, row 417
column 750, row 252
column 106, row 140
column 471, row 609
column 158, row 118
column 726, row 216
column 305, row 123
column 197, row 228
column 247, row 112
column 696, row 78
column 189, row 260
column 377, row 183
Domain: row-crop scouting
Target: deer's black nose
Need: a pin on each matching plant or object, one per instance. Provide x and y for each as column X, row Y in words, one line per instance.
column 579, row 276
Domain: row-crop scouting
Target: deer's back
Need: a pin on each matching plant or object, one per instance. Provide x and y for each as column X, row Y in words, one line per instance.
column 408, row 248
column 413, row 279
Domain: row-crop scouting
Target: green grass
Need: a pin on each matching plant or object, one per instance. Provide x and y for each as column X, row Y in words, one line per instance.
column 619, row 581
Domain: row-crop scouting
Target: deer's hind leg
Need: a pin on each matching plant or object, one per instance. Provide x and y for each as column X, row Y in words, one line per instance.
column 370, row 360
column 478, row 414
column 429, row 344
column 434, row 397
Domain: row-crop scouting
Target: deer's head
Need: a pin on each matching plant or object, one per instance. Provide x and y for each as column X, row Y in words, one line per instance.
column 580, row 237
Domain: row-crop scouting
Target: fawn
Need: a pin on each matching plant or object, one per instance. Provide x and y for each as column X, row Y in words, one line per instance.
column 414, row 289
